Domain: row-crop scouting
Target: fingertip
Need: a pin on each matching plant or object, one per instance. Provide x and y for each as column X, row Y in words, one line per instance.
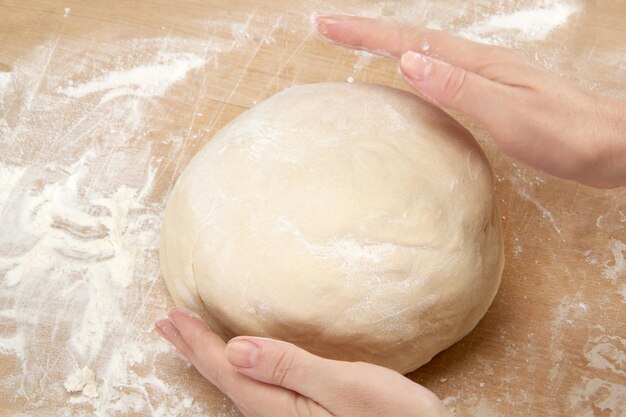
column 166, row 329
column 179, row 313
column 323, row 22
column 415, row 66
column 162, row 323
column 242, row 353
column 329, row 25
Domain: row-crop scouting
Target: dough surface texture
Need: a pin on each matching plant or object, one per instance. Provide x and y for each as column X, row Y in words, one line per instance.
column 356, row 221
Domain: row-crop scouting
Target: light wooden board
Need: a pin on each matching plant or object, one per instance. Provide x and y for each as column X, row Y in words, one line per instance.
column 102, row 104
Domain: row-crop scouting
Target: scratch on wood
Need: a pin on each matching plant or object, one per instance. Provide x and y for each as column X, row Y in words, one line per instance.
column 290, row 57
column 205, row 75
column 37, row 85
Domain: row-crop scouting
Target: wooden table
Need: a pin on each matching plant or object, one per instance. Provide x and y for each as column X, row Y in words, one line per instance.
column 102, row 104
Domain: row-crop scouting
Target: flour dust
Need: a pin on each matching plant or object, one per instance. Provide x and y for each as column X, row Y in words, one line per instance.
column 87, row 147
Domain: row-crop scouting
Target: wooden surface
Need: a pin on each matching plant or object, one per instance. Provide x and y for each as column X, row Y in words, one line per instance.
column 554, row 341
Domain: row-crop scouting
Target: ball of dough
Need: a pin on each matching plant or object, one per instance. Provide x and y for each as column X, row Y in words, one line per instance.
column 356, row 221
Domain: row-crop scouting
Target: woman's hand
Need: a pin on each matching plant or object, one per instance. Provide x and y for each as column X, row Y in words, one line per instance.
column 268, row 378
column 533, row 115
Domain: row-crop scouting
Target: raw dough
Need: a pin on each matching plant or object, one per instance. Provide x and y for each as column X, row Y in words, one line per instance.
column 356, row 221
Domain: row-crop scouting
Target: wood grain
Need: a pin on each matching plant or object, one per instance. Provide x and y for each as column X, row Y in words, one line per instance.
column 533, row 352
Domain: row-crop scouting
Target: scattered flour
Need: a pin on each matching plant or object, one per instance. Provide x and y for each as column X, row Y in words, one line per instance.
column 10, row 176
column 13, row 345
column 363, row 59
column 566, row 314
column 608, row 353
column 450, row 402
column 82, row 381
column 594, row 394
column 523, row 188
column 5, row 77
column 615, row 270
column 79, row 220
column 601, row 388
column 483, row 409
column 79, row 225
column 143, row 80
column 533, row 23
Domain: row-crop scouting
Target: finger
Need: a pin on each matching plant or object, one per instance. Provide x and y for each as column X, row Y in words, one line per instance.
column 169, row 332
column 453, row 87
column 343, row 388
column 376, row 36
column 204, row 346
column 379, row 36
column 207, row 353
column 286, row 365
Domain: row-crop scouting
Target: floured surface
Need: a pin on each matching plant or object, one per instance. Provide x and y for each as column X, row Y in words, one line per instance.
column 100, row 110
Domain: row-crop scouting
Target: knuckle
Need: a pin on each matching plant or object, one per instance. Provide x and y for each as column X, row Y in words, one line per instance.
column 367, row 372
column 302, row 407
column 496, row 53
column 203, row 338
column 361, row 386
column 454, row 84
column 283, row 366
column 220, row 379
column 497, row 61
column 200, row 342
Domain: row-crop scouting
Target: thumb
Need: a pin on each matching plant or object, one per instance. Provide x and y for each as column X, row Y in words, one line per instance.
column 281, row 363
column 450, row 86
column 340, row 387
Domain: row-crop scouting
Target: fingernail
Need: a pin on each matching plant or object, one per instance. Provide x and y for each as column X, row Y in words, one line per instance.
column 415, row 66
column 323, row 21
column 242, row 353
column 166, row 328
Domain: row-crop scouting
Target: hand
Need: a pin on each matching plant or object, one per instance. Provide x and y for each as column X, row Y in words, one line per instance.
column 268, row 378
column 533, row 115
